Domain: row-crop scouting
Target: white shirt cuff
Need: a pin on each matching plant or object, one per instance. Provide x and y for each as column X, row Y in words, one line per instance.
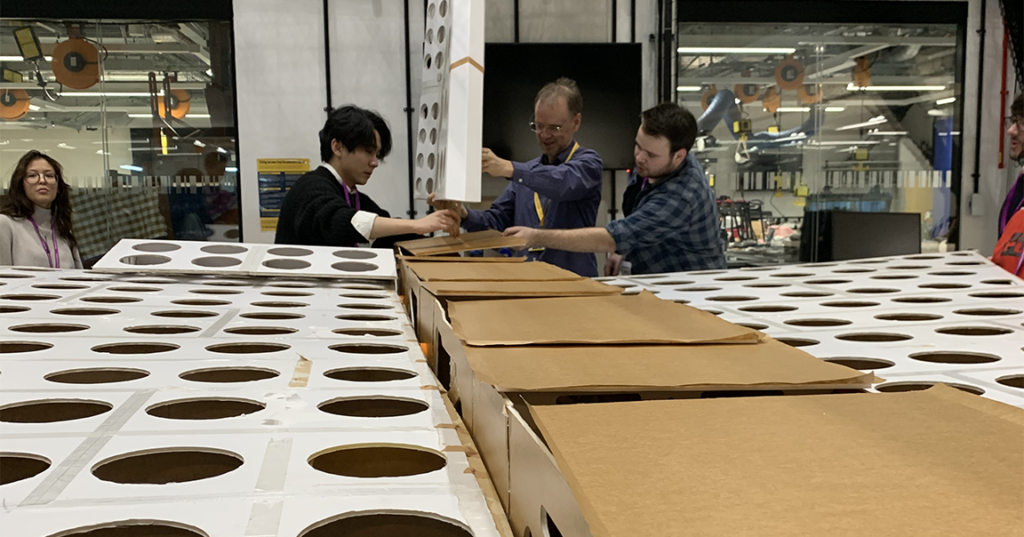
column 363, row 222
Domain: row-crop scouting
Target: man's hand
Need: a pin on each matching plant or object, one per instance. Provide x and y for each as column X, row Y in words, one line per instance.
column 452, row 205
column 533, row 237
column 496, row 166
column 445, row 220
column 612, row 265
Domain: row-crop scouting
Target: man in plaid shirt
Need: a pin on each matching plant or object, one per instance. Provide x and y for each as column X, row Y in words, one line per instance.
column 671, row 222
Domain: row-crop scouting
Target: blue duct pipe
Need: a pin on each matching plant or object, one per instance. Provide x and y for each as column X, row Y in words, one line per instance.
column 723, row 106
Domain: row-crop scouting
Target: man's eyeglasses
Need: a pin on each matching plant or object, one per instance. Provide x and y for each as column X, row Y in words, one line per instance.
column 1010, row 120
column 540, row 127
column 36, row 178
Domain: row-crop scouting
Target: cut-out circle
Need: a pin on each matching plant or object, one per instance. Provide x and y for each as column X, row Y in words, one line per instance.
column 290, row 252
column 913, row 386
column 52, row 410
column 873, row 290
column 135, row 528
column 135, row 348
column 215, row 291
column 368, row 348
column 377, row 460
column 921, row 299
column 152, row 281
column 792, row 275
column 272, row 316
column 997, row 282
column 955, row 357
column 874, row 337
column 754, row 326
column 229, row 374
column 853, row 270
column 17, row 347
column 29, row 297
column 377, row 332
column 354, row 266
column 162, row 329
column 798, row 341
column 861, row 364
column 698, row 289
column 944, row 285
column 807, row 294
column 261, row 330
column 392, row 523
column 974, row 331
column 355, row 254
column 768, row 285
column 16, row 467
column 373, row 407
column 894, row 277
column 674, row 282
column 60, row 286
column 827, row 281
column 13, row 309
column 370, row 374
column 1013, row 381
column 265, row 304
column 184, row 314
column 168, row 465
column 731, row 298
column 736, row 278
column 908, row 317
column 156, row 247
column 48, row 328
column 200, row 302
column 216, row 261
column 818, row 322
column 224, row 249
column 293, row 294
column 768, row 309
column 135, row 289
column 366, row 306
column 204, row 408
column 986, row 312
column 111, row 299
column 84, row 312
column 953, row 273
column 287, row 264
column 997, row 294
column 145, row 260
column 247, row 348
column 97, row 375
column 849, row 304
column 365, row 317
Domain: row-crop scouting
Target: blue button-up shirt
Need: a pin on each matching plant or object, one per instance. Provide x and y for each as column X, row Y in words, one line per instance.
column 570, row 193
column 674, row 225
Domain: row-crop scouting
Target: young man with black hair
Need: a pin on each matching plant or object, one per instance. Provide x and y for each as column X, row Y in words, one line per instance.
column 671, row 222
column 325, row 207
column 1009, row 251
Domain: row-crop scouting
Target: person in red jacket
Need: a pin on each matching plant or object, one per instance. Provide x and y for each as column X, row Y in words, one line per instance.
column 1009, row 249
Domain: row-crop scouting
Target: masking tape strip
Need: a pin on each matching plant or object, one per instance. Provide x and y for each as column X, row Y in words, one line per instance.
column 228, row 316
column 265, row 517
column 62, row 475
column 300, row 377
column 468, row 60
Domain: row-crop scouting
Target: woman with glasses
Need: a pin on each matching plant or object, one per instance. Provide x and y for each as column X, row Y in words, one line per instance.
column 1009, row 251
column 35, row 219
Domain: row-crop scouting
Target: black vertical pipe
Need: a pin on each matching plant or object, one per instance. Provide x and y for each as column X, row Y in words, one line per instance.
column 632, row 21
column 327, row 54
column 615, row 21
column 981, row 99
column 408, row 113
column 515, row 21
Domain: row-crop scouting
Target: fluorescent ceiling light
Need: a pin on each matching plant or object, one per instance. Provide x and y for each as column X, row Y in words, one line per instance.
column 877, row 120
column 33, row 107
column 131, row 167
column 834, row 108
column 947, row 100
column 21, row 59
column 63, row 145
column 200, row 116
column 735, row 50
column 939, row 113
column 887, row 133
column 197, row 143
column 140, row 115
column 794, row 109
column 221, row 150
column 852, row 87
column 687, row 88
column 231, row 169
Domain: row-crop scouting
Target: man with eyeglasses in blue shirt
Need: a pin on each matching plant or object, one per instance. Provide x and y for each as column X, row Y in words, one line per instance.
column 561, row 189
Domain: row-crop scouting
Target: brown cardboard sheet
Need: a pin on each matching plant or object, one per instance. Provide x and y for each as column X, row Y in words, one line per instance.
column 459, row 259
column 583, row 287
column 472, row 272
column 656, row 367
column 480, row 240
column 935, row 462
column 639, row 319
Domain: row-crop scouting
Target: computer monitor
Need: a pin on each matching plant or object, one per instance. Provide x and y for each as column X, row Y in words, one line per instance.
column 843, row 235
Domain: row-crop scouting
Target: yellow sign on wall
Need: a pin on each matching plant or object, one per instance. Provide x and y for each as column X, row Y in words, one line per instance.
column 276, row 177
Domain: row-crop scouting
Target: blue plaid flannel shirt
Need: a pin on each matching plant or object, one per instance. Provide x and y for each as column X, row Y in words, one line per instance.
column 674, row 225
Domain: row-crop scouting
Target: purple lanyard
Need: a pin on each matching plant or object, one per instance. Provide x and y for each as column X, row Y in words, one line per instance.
column 349, row 200
column 643, row 186
column 46, row 248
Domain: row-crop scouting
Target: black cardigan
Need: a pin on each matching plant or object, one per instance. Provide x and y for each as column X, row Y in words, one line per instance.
column 315, row 213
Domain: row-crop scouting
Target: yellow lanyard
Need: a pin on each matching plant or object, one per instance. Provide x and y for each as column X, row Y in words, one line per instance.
column 536, row 196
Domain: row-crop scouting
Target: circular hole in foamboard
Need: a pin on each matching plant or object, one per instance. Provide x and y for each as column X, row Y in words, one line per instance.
column 754, row 326
column 910, row 267
column 1013, row 381
column 442, row 8
column 924, row 257
column 758, row 269
column 435, row 108
column 145, row 260
column 156, row 247
column 849, row 304
column 792, row 275
column 362, row 286
column 26, row 297
column 944, row 285
column 162, row 329
column 433, row 136
column 423, row 108
column 287, row 264
column 373, row 407
column 275, row 304
column 874, row 337
column 908, row 317
column 997, row 282
column 60, row 286
column 974, row 331
column 200, row 302
column 365, row 317
column 272, row 315
column 713, row 312
column 963, row 254
column 223, row 249
column 247, row 348
column 430, row 160
column 368, row 348
column 364, row 296
column 828, row 281
column 52, row 410
column 964, row 263
column 777, row 308
column 355, row 254
column 986, row 312
column 807, row 294
column 166, row 465
column 184, row 314
column 428, row 60
column 674, row 282
column 431, row 9
column 205, row 408
column 216, row 262
column 97, row 375
column 731, row 298
column 706, row 272
column 111, row 299
column 226, row 283
column 861, row 364
column 913, row 386
column 430, row 185
column 921, row 299
column 955, row 357
column 873, row 290
column 292, row 285
column 797, row 341
column 369, row 374
column 376, row 332
column 261, row 330
column 135, row 528
column 818, row 322
column 15, row 467
column 13, row 276
column 49, row 328
column 293, row 294
column 853, row 270
column 767, row 285
column 215, row 291
column 681, row 301
column 87, row 279
column 134, row 289
column 894, row 277
column 290, row 252
column 13, row 309
column 736, row 279
column 366, row 306
column 423, row 134
column 377, row 460
column 17, row 347
column 391, row 523
column 698, row 289
column 441, row 34
column 997, row 294
column 152, row 281
column 84, row 312
column 135, row 348
column 953, row 273
column 229, row 374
